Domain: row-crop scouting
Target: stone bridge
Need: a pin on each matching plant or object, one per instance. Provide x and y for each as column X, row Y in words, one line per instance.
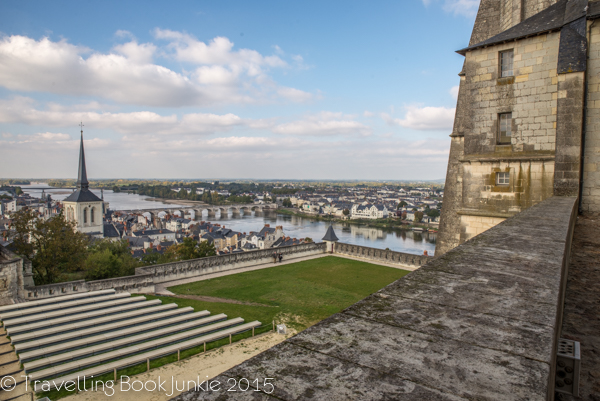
column 212, row 210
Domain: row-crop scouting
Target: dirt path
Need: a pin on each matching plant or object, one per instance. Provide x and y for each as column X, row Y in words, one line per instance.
column 200, row 367
column 222, row 300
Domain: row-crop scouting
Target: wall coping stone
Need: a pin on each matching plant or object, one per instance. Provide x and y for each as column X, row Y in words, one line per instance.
column 479, row 322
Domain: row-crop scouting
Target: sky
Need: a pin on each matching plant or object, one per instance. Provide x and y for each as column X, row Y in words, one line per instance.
column 230, row 89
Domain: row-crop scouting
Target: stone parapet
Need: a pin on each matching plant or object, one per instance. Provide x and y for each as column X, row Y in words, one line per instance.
column 199, row 267
column 480, row 322
column 141, row 283
column 380, row 255
column 146, row 277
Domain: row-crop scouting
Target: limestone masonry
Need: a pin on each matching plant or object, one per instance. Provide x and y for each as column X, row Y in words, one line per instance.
column 526, row 125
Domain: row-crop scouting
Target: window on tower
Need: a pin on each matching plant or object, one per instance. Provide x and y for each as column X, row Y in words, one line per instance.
column 506, row 63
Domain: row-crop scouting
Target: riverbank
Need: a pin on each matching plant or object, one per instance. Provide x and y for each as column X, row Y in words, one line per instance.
column 379, row 223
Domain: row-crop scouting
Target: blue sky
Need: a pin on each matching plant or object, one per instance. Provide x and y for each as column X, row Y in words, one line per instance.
column 197, row 89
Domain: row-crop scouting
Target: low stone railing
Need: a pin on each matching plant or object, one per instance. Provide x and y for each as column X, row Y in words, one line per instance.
column 381, row 255
column 199, row 267
column 141, row 283
column 146, row 277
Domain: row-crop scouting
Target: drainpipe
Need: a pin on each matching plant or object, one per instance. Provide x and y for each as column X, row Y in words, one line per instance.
column 584, row 124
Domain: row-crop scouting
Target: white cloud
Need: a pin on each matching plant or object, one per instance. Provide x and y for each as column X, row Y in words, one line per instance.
column 467, row 8
column 424, row 118
column 52, row 140
column 293, row 94
column 323, row 124
column 122, row 33
column 454, row 92
column 22, row 110
column 140, row 54
column 127, row 74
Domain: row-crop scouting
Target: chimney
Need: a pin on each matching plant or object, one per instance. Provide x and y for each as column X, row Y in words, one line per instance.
column 425, row 253
column 158, row 248
column 160, row 231
column 268, row 225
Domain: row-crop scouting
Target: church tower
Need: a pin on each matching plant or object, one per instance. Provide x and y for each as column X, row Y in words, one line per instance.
column 82, row 206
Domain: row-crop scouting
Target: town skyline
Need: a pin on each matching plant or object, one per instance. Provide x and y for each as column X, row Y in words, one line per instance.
column 204, row 91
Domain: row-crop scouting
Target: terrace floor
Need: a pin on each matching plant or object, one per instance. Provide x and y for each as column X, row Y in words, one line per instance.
column 581, row 320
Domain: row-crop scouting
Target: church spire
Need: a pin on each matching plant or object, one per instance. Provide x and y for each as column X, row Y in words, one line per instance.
column 82, row 181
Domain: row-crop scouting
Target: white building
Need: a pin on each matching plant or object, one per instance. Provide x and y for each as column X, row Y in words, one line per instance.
column 369, row 211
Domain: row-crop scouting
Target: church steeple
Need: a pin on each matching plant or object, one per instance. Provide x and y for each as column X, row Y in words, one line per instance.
column 82, row 181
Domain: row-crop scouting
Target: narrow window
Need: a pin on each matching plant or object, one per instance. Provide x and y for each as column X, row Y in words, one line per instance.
column 502, row 178
column 92, row 215
column 506, row 63
column 84, row 216
column 504, row 127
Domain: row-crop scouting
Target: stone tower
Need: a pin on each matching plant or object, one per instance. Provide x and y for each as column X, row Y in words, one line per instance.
column 83, row 206
column 524, row 129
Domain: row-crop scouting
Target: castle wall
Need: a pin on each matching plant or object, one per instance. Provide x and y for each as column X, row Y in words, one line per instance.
column 531, row 95
column 591, row 170
column 406, row 260
column 11, row 276
column 473, row 202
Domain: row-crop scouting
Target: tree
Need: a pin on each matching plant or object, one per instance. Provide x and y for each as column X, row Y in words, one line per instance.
column 433, row 213
column 53, row 246
column 108, row 259
column 346, row 212
column 308, row 239
column 287, row 202
column 418, row 217
column 188, row 249
column 18, row 191
column 401, row 204
column 116, row 189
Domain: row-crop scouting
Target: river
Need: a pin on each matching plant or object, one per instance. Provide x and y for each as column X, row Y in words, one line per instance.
column 293, row 226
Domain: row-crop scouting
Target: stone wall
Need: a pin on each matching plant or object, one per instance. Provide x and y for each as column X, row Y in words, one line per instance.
column 480, row 322
column 380, row 255
column 531, row 95
column 11, row 276
column 200, row 267
column 145, row 278
column 134, row 284
column 472, row 195
column 591, row 171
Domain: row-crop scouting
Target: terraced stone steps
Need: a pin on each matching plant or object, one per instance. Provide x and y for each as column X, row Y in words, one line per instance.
column 73, row 312
column 124, row 319
column 6, row 316
column 142, row 357
column 112, row 313
column 55, row 300
column 106, row 352
column 150, row 330
column 171, row 317
column 98, row 332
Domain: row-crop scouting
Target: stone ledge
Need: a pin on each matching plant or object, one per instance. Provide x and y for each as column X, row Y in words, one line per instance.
column 480, row 322
column 483, row 213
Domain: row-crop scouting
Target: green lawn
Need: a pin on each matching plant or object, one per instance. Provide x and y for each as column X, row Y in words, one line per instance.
column 300, row 294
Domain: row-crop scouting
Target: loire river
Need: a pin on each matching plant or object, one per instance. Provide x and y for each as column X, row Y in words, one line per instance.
column 293, row 226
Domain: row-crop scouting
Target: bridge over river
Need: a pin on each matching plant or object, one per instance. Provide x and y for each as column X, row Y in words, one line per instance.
column 211, row 210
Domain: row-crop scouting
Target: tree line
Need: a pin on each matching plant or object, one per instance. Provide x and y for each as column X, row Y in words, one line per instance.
column 57, row 251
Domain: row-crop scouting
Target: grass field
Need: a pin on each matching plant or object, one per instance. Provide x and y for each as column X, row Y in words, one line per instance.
column 300, row 294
